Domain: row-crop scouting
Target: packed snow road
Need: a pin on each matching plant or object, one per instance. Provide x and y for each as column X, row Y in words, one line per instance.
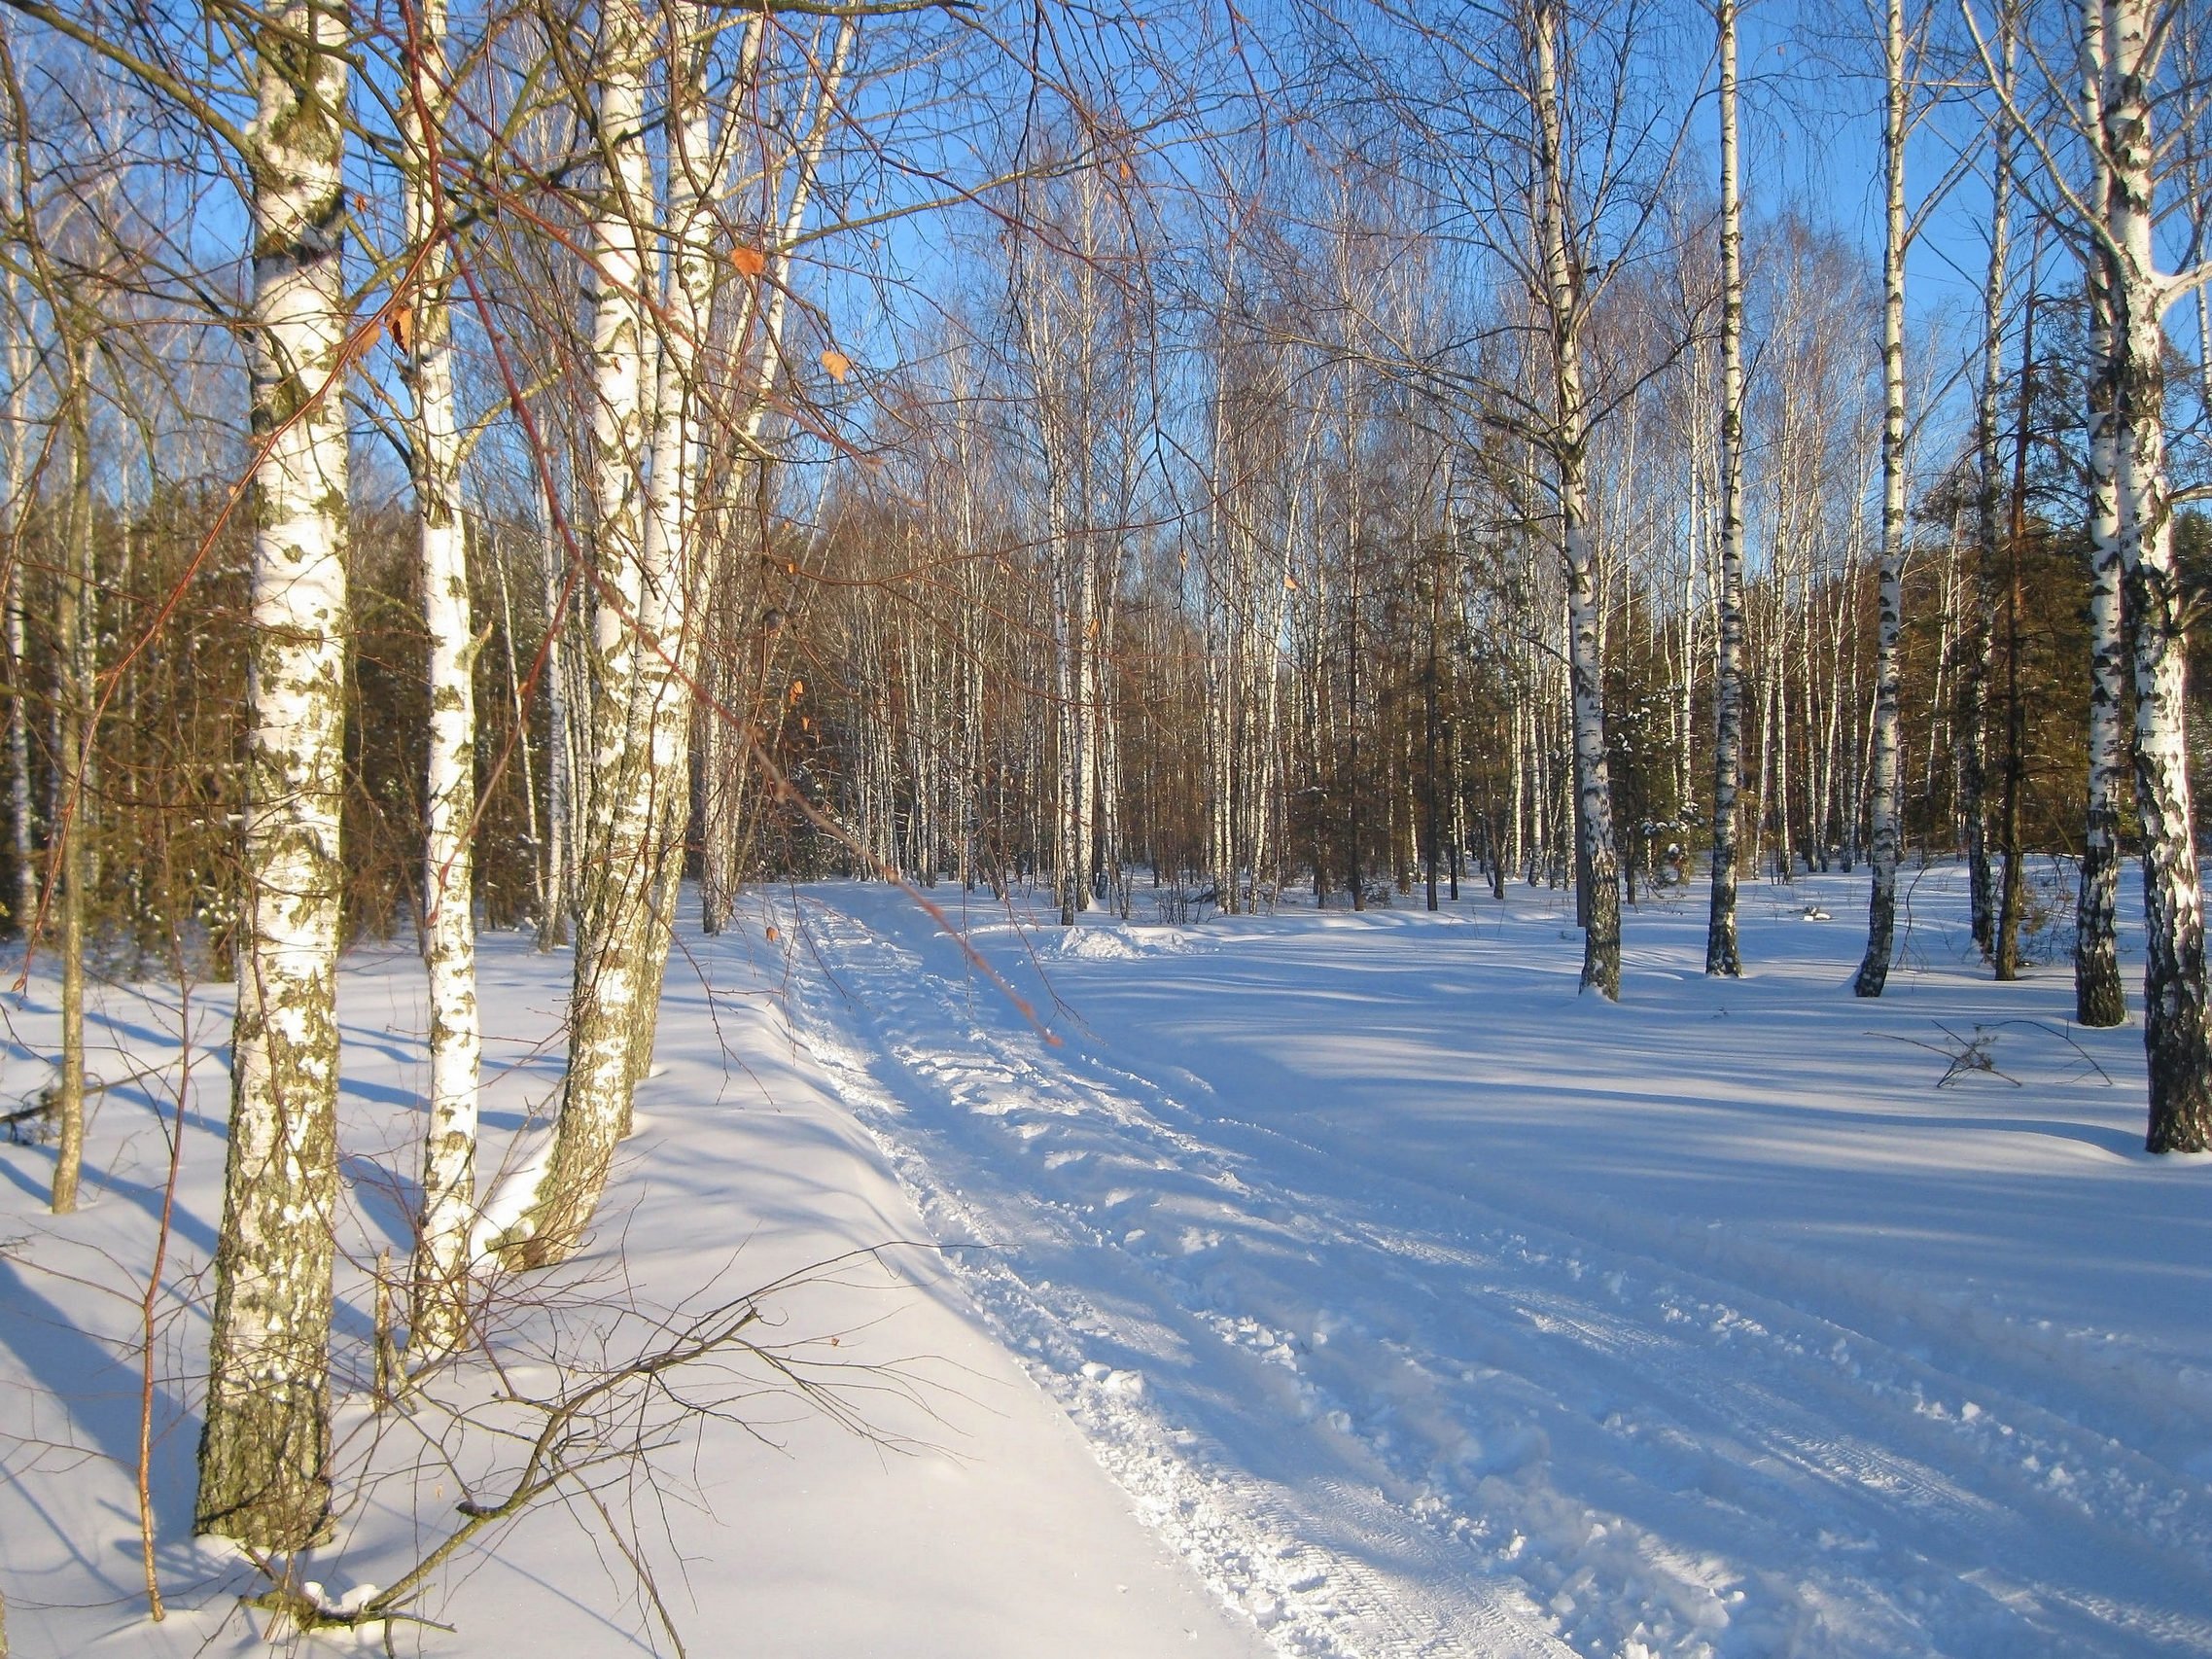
column 1428, row 1308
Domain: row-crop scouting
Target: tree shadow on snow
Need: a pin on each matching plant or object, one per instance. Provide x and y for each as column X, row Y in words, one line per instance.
column 96, row 1386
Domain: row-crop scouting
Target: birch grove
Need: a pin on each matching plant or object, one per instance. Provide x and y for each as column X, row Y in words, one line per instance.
column 2116, row 210
column 472, row 469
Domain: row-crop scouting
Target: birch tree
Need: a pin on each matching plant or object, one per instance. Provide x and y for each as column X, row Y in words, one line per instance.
column 2111, row 107
column 2125, row 70
column 73, row 700
column 643, row 647
column 1882, row 801
column 669, row 628
column 615, row 864
column 762, row 312
column 1557, row 152
column 264, row 1456
column 2098, row 996
column 449, row 793
column 1721, row 955
column 1565, row 302
column 17, row 506
column 1978, row 636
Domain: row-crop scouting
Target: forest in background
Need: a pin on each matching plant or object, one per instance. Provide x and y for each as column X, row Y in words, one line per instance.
column 1196, row 456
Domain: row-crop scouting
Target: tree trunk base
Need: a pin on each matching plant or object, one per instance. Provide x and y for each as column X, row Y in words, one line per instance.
column 2100, row 999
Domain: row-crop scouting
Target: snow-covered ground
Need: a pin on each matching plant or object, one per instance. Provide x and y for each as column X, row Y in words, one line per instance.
column 1412, row 1304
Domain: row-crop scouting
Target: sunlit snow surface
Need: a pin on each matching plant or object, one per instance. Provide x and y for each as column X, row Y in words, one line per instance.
column 1416, row 1304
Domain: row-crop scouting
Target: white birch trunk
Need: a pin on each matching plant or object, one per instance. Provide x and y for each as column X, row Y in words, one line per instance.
column 1088, row 642
column 1569, row 443
column 614, row 866
column 441, row 1273
column 519, row 710
column 73, row 700
column 2174, row 1036
column 669, row 654
column 20, row 827
column 1976, row 638
column 1721, row 953
column 722, row 805
column 264, row 1459
column 1882, row 903
column 2100, row 999
column 560, row 741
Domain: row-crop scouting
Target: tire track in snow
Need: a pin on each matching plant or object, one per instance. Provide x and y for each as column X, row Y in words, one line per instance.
column 1486, row 1405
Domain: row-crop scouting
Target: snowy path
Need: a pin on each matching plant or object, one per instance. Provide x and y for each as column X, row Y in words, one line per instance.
column 974, row 1522
column 1393, row 1395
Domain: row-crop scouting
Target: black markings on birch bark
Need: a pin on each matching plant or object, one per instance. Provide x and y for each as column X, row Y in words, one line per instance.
column 2098, row 996
column 1721, row 953
column 1881, row 805
column 439, row 1316
column 2174, row 1035
column 266, row 1439
column 618, row 874
column 1597, row 868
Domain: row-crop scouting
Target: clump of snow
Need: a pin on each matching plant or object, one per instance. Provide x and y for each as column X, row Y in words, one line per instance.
column 1117, row 941
column 510, row 1195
